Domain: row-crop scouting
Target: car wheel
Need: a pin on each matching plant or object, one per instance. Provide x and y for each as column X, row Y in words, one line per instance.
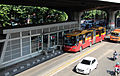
column 89, row 72
column 96, row 66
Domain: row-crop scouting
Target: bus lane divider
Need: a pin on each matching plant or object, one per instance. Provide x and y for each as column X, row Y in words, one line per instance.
column 73, row 60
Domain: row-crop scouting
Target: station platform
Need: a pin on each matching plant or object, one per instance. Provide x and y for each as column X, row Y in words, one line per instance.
column 27, row 64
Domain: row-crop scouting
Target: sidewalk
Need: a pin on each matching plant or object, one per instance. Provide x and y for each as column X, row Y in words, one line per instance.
column 27, row 64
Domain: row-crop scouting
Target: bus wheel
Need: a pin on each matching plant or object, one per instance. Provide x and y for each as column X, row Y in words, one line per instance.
column 90, row 44
column 101, row 40
column 80, row 49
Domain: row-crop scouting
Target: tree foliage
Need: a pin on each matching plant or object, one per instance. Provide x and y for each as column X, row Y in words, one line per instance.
column 18, row 15
column 94, row 14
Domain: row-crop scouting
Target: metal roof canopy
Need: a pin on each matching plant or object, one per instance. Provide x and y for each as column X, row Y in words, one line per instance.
column 72, row 5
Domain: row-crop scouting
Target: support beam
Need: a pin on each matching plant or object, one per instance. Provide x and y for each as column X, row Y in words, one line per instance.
column 79, row 20
column 4, row 48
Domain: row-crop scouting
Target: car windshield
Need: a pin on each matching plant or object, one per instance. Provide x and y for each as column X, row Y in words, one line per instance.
column 115, row 34
column 86, row 62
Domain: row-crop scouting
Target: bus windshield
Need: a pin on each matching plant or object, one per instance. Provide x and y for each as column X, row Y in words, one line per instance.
column 115, row 34
column 70, row 40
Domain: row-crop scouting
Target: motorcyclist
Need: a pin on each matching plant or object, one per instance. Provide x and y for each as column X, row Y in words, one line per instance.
column 117, row 68
column 115, row 53
column 117, row 65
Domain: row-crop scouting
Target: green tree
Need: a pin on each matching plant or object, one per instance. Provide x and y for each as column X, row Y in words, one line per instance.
column 20, row 14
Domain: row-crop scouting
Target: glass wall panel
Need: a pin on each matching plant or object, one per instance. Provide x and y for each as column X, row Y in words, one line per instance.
column 40, row 42
column 25, row 46
column 1, row 48
column 25, row 50
column 33, row 32
column 15, row 35
column 53, row 39
column 13, row 50
column 25, row 33
column 7, row 58
column 34, row 43
column 45, row 41
column 60, row 38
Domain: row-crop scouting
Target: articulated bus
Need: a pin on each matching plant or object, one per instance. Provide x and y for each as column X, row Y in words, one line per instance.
column 115, row 35
column 78, row 40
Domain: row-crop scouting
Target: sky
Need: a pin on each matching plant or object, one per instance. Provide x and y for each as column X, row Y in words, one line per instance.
column 115, row 1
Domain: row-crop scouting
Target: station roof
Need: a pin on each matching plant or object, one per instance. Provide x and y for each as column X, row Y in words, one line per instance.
column 73, row 5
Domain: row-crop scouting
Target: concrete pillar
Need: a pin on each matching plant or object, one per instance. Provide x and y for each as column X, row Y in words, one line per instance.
column 48, row 41
column 42, row 39
column 79, row 20
column 57, row 38
column 75, row 16
column 111, row 22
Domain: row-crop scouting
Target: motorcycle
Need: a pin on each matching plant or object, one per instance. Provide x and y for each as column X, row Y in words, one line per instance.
column 116, row 71
column 115, row 57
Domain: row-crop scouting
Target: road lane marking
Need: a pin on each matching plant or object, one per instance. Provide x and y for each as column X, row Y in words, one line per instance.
column 54, row 71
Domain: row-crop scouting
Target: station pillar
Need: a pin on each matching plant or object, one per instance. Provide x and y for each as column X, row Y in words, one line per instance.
column 111, row 20
column 75, row 16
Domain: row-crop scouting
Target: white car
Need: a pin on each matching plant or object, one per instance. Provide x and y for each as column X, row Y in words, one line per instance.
column 86, row 65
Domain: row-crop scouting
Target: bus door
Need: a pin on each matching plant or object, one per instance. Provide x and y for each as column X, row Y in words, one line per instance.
column 94, row 36
column 80, row 41
column 88, row 38
column 97, row 36
column 100, row 35
column 83, row 42
column 103, row 34
column 77, row 43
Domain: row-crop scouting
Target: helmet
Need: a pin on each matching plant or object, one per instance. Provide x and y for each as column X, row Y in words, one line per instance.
column 117, row 63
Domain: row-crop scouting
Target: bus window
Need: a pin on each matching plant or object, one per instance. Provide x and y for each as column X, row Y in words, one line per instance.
column 97, row 33
column 88, row 34
column 83, row 39
column 102, row 30
column 70, row 40
column 80, row 37
column 119, row 35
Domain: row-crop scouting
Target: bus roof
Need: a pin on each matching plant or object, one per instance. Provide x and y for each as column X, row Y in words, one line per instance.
column 78, row 32
column 86, row 31
column 74, row 33
column 116, row 31
column 97, row 28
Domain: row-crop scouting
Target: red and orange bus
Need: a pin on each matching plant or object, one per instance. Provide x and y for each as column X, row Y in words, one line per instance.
column 115, row 35
column 78, row 40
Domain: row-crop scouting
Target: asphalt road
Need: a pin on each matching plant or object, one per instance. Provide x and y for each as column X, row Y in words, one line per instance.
column 63, row 65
